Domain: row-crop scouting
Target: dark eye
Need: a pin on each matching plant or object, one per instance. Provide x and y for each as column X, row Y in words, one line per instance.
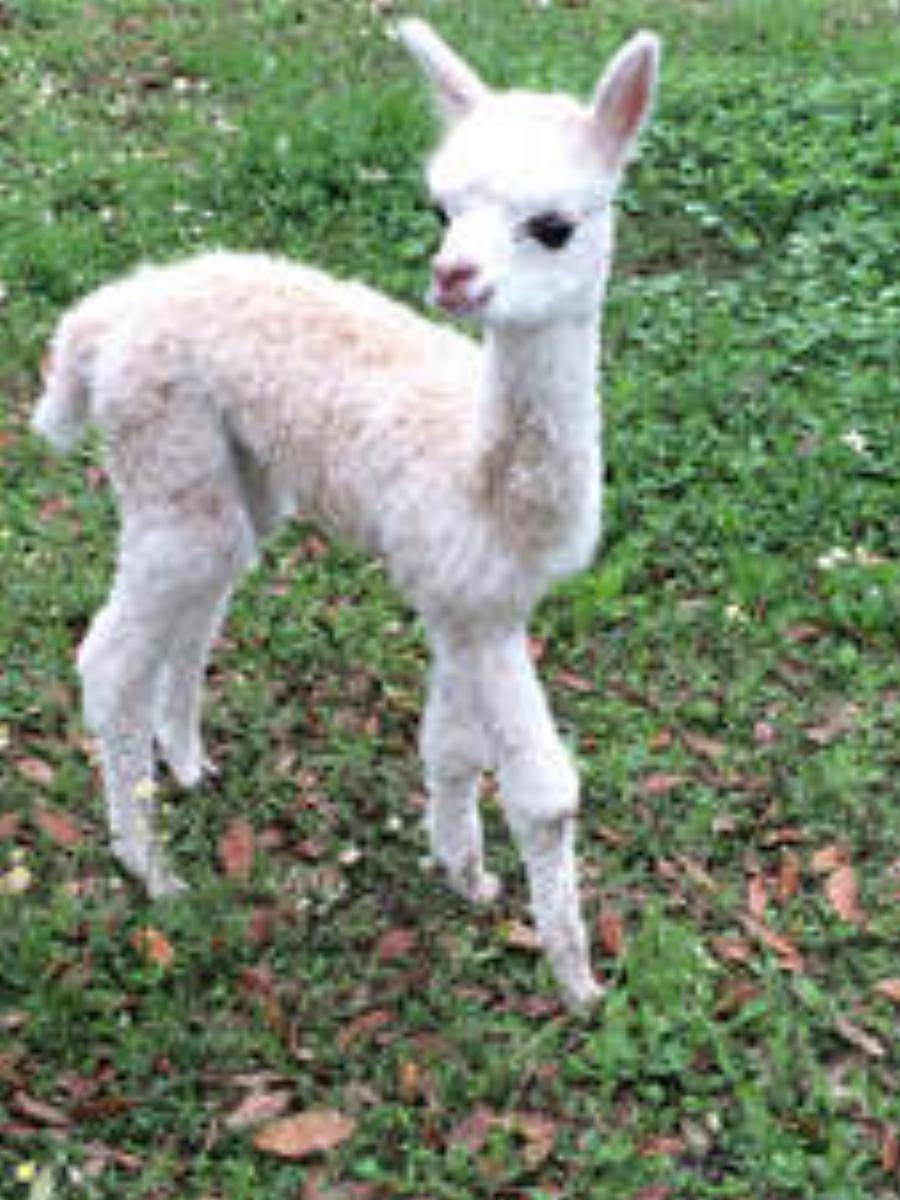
column 551, row 229
column 440, row 214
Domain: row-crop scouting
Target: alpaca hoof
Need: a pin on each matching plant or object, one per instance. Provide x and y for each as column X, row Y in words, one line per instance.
column 190, row 770
column 583, row 997
column 165, row 883
column 475, row 884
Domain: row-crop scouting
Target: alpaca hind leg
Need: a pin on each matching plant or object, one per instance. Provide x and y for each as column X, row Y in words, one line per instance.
column 119, row 663
column 455, row 753
column 539, row 789
column 180, row 688
column 169, row 565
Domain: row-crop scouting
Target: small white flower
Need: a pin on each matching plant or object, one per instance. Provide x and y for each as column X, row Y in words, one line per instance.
column 855, row 441
column 833, row 558
column 735, row 614
column 15, row 881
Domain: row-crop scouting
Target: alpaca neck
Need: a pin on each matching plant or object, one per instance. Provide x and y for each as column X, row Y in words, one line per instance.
column 540, row 450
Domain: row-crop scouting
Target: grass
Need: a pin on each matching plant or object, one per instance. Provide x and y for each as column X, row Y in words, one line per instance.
column 727, row 674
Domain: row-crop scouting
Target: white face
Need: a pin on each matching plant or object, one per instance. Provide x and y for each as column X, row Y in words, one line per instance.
column 527, row 206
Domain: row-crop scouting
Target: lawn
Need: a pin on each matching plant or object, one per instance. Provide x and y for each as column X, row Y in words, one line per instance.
column 727, row 674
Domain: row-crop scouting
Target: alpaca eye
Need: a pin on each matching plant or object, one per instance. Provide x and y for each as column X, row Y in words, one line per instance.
column 440, row 214
column 551, row 229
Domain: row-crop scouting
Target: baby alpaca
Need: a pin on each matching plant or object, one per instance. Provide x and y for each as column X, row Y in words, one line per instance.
column 233, row 391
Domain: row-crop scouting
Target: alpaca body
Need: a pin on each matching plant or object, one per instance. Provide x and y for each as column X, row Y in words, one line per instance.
column 235, row 391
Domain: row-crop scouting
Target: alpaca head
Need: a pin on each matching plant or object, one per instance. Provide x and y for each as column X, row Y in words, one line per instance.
column 525, row 183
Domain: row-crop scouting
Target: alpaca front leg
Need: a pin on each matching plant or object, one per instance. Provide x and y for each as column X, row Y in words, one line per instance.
column 455, row 755
column 540, row 792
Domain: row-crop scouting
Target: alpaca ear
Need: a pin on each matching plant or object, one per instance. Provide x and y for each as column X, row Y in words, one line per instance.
column 624, row 98
column 456, row 87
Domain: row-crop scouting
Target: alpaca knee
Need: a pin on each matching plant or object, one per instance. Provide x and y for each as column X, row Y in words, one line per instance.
column 102, row 669
column 540, row 790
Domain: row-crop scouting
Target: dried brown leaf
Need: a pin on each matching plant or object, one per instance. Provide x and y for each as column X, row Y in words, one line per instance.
column 789, row 956
column 860, row 1038
column 395, row 944
column 842, row 891
column 257, row 1108
column 364, row 1027
column 732, row 949
column 237, row 849
column 38, row 1112
column 611, row 931
column 757, row 897
column 9, row 826
column 153, row 946
column 520, row 936
column 36, row 770
column 304, row 1134
column 890, row 989
column 829, row 858
column 703, row 746
column 661, row 783
column 890, row 1150
column 789, row 876
column 473, row 1131
column 539, row 1134
column 59, row 828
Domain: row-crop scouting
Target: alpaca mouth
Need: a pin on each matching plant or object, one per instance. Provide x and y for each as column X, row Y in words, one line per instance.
column 459, row 302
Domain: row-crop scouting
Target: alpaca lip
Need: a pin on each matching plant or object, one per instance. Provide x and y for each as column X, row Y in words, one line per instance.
column 460, row 303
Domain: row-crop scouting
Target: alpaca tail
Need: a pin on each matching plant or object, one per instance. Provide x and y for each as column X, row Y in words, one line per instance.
column 63, row 411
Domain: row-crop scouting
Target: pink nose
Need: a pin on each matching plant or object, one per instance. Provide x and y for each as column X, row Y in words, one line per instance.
column 450, row 277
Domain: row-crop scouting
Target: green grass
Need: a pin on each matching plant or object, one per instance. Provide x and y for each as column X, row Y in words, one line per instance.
column 729, row 683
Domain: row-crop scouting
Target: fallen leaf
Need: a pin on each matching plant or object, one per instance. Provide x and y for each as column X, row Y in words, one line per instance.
column 829, row 858
column 36, row 770
column 697, row 873
column 59, row 828
column 154, row 947
column 757, row 897
column 363, row 1027
column 890, row 989
column 765, row 733
column 539, row 1134
column 790, row 957
column 571, row 682
column 414, row 1082
column 395, row 943
column 611, row 930
column 666, row 1145
column 102, row 1108
column 804, row 631
column 789, row 876
column 304, row 1134
column 732, row 949
column 835, row 726
column 472, row 1133
column 860, row 1038
column 9, row 825
column 890, row 1150
column 237, row 849
column 38, row 1112
column 842, row 890
column 520, row 936
column 258, row 1108
column 702, row 746
column 661, row 783
column 734, row 995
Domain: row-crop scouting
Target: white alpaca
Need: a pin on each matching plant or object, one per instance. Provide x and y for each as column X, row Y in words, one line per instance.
column 235, row 390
